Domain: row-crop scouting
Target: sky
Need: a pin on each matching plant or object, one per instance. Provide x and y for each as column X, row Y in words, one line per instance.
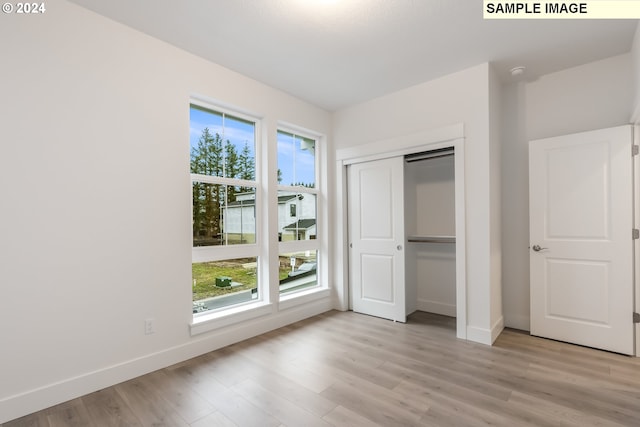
column 297, row 164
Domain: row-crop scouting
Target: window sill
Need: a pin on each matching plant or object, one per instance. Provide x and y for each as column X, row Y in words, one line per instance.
column 297, row 298
column 220, row 319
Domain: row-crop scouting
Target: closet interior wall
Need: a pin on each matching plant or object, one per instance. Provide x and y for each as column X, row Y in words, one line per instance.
column 430, row 270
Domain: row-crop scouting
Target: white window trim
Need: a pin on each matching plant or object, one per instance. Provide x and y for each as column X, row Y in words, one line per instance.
column 230, row 182
column 221, row 253
column 263, row 247
column 321, row 290
column 223, row 107
column 224, row 316
column 304, row 296
column 206, row 322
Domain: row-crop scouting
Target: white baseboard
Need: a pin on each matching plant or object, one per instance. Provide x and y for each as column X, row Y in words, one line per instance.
column 497, row 329
column 22, row 404
column 484, row 335
column 436, row 307
column 479, row 335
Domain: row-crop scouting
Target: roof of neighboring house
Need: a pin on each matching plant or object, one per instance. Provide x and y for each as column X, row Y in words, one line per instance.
column 286, row 198
column 241, row 203
column 301, row 224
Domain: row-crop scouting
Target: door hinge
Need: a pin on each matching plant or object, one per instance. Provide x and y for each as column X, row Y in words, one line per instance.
column 636, row 234
column 636, row 317
column 635, row 150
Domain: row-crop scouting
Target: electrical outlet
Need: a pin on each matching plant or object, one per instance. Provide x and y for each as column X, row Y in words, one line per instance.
column 149, row 327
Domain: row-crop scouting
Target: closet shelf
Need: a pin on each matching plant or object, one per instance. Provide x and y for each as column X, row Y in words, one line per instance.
column 432, row 239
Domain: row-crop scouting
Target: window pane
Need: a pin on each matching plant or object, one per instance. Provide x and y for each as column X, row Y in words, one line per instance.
column 240, row 216
column 239, row 148
column 296, row 160
column 223, row 215
column 297, row 271
column 296, row 216
column 220, row 284
column 222, row 145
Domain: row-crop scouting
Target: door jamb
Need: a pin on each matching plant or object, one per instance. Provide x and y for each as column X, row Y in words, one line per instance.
column 636, row 220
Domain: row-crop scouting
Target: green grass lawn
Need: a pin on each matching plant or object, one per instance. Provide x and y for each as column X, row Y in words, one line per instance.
column 204, row 277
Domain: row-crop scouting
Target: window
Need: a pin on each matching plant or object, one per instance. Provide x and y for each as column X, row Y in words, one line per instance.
column 296, row 160
column 219, row 284
column 298, row 271
column 223, row 215
column 224, row 209
column 231, row 261
column 297, row 211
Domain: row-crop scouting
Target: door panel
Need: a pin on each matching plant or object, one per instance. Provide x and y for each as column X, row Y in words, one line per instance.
column 580, row 230
column 580, row 183
column 376, row 236
column 587, row 279
column 373, row 267
column 376, row 199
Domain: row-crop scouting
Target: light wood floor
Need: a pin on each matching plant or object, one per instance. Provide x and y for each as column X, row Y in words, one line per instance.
column 346, row 369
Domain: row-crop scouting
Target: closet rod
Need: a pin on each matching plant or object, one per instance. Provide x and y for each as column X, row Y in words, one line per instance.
column 433, row 154
column 432, row 239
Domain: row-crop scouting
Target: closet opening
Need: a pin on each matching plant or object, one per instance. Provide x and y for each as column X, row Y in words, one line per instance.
column 430, row 229
column 388, row 195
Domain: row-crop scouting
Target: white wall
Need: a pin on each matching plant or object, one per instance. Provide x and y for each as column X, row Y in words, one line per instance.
column 591, row 96
column 458, row 97
column 635, row 119
column 635, row 58
column 94, row 178
column 495, row 194
column 515, row 209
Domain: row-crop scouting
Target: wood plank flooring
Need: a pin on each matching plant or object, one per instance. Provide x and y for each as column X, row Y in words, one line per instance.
column 346, row 369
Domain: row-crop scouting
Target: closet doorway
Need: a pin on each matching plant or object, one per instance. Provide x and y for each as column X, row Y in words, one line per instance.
column 384, row 234
column 429, row 217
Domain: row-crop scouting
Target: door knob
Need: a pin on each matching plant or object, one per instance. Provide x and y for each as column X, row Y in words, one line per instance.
column 537, row 248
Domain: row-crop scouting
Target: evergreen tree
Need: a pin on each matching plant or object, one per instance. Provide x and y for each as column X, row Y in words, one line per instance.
column 303, row 184
column 207, row 159
column 231, row 168
column 214, row 157
column 207, row 156
column 246, row 166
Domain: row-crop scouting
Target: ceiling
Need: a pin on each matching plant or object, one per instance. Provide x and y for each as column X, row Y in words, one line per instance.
column 336, row 53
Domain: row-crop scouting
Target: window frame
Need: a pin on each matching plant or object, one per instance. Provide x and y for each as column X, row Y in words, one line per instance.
column 287, row 299
column 236, row 312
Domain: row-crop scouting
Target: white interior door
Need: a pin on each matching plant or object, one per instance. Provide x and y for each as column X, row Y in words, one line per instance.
column 581, row 220
column 376, row 237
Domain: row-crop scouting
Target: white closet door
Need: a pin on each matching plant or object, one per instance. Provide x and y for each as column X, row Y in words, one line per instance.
column 376, row 236
column 581, row 239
